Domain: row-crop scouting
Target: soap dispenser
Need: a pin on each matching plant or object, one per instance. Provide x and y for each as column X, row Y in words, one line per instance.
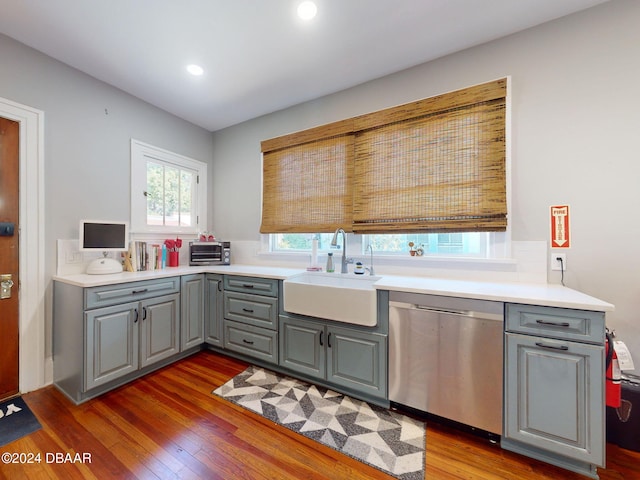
column 329, row 268
column 359, row 270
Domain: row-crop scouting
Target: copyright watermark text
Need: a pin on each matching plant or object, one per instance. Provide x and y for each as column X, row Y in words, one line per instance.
column 47, row 457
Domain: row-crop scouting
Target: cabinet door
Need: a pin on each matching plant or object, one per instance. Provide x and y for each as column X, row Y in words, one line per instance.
column 192, row 315
column 357, row 360
column 302, row 346
column 111, row 343
column 555, row 396
column 159, row 328
column 213, row 310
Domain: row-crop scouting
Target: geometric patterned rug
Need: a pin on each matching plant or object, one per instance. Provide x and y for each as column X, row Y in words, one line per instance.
column 387, row 440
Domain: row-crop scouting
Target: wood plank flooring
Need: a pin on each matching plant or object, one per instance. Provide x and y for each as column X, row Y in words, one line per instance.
column 168, row 425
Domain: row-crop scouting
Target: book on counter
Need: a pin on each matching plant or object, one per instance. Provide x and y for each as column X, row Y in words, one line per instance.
column 146, row 256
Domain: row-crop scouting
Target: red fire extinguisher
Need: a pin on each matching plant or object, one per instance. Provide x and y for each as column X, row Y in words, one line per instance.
column 613, row 375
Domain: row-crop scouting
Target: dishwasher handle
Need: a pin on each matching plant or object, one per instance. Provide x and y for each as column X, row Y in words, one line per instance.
column 446, row 311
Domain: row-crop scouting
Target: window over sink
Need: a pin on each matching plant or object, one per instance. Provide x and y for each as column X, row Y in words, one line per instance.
column 456, row 245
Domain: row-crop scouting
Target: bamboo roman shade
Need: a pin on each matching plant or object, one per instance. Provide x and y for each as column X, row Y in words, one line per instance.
column 434, row 165
column 308, row 188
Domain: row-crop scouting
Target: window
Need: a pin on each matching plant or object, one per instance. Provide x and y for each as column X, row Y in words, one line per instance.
column 168, row 191
column 459, row 244
column 471, row 244
column 300, row 242
column 436, row 165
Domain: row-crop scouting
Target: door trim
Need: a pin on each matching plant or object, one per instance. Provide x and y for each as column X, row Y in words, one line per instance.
column 35, row 369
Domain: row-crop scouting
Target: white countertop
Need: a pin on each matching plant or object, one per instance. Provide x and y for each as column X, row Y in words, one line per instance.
column 529, row 293
column 535, row 294
column 84, row 280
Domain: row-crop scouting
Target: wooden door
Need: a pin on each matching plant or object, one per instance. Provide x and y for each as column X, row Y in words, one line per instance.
column 9, row 256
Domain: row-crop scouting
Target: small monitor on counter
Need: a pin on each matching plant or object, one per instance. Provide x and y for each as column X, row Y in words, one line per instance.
column 104, row 236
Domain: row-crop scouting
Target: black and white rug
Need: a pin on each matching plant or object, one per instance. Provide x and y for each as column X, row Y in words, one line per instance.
column 387, row 440
column 16, row 420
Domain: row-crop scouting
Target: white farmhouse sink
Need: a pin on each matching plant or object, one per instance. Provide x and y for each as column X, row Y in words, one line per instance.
column 346, row 298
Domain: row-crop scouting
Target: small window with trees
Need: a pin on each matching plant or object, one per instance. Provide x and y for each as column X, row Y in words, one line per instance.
column 168, row 191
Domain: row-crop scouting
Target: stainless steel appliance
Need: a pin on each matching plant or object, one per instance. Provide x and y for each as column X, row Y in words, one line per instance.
column 209, row 253
column 445, row 357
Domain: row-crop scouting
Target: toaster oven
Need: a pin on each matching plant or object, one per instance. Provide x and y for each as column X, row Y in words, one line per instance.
column 209, row 253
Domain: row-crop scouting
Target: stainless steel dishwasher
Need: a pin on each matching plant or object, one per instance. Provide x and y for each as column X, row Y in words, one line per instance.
column 445, row 357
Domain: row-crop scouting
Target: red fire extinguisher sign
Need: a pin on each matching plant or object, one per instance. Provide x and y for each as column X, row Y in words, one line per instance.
column 560, row 226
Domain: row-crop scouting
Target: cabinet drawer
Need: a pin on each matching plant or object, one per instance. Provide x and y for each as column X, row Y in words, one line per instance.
column 253, row 341
column 258, row 286
column 561, row 323
column 252, row 309
column 106, row 295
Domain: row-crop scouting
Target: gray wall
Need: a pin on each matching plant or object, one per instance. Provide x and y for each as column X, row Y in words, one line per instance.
column 88, row 127
column 575, row 130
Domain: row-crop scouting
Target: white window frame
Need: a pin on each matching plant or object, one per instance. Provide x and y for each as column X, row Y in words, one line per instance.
column 497, row 247
column 140, row 154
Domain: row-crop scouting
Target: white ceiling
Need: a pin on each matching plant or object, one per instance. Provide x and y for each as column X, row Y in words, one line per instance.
column 257, row 55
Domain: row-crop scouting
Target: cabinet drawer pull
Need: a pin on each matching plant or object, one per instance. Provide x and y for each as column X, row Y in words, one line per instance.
column 247, row 285
column 329, row 340
column 248, row 310
column 144, row 313
column 248, row 342
column 144, row 290
column 321, row 334
column 553, row 324
column 552, row 347
column 137, row 315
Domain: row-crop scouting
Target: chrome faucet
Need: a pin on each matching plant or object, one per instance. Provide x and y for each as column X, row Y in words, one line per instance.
column 334, row 242
column 371, row 271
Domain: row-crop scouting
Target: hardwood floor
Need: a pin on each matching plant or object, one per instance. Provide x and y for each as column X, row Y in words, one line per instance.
column 168, row 425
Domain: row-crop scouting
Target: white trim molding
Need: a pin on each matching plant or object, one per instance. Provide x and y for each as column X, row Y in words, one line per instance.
column 35, row 371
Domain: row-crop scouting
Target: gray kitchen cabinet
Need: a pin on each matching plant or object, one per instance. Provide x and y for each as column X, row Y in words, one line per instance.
column 213, row 309
column 342, row 356
column 250, row 325
column 159, row 329
column 303, row 346
column 124, row 338
column 105, row 336
column 357, row 360
column 112, row 343
column 192, row 299
column 554, row 386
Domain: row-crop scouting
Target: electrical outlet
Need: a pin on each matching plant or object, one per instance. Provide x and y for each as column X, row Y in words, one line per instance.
column 557, row 264
column 73, row 257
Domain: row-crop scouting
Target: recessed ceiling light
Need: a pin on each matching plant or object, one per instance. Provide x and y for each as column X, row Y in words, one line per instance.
column 196, row 70
column 307, row 10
